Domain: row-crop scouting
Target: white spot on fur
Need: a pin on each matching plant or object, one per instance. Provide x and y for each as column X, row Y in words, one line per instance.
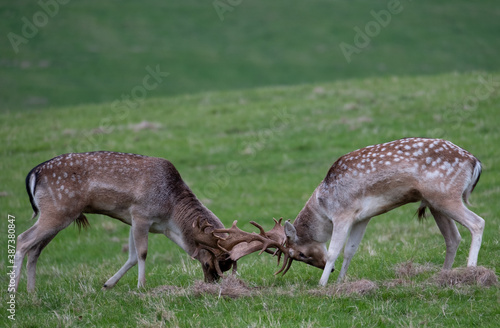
column 432, row 174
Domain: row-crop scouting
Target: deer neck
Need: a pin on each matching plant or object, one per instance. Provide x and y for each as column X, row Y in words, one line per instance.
column 312, row 223
column 187, row 210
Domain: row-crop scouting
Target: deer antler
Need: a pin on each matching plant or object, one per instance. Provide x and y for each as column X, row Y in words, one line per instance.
column 208, row 241
column 234, row 243
column 239, row 243
column 277, row 233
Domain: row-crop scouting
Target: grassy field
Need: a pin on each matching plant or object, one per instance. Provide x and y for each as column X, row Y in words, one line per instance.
column 252, row 101
column 93, row 51
column 279, row 142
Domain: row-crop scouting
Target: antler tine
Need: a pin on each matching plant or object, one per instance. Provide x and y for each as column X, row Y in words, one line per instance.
column 287, row 262
column 202, row 225
column 262, row 232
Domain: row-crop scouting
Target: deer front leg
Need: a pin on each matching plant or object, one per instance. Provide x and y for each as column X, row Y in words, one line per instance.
column 141, row 231
column 132, row 260
column 355, row 237
column 339, row 236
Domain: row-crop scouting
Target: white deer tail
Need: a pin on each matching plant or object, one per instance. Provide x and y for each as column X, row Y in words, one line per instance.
column 476, row 173
column 31, row 181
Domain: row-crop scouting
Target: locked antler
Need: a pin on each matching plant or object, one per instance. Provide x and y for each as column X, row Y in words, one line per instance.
column 234, row 243
column 277, row 233
column 239, row 243
column 206, row 239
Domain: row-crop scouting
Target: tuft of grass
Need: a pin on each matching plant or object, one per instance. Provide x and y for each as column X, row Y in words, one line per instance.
column 468, row 276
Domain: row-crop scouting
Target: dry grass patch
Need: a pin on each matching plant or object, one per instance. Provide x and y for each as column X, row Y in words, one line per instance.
column 167, row 289
column 359, row 287
column 409, row 269
column 230, row 286
column 480, row 276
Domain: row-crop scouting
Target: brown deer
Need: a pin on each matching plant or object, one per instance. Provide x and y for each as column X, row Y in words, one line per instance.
column 374, row 180
column 146, row 193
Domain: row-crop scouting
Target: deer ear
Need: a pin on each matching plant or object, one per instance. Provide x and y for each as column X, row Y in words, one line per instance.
column 290, row 232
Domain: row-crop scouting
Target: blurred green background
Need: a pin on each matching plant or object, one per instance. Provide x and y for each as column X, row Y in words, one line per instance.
column 95, row 51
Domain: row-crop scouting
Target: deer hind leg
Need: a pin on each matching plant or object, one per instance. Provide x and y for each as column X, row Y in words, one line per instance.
column 339, row 236
column 451, row 236
column 32, row 242
column 33, row 256
column 473, row 222
column 350, row 248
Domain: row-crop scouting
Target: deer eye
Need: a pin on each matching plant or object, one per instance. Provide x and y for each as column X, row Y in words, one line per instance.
column 302, row 255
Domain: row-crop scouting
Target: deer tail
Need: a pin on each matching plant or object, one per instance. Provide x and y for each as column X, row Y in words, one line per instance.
column 31, row 182
column 476, row 174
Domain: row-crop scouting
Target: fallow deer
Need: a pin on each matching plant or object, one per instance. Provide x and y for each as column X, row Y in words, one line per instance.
column 372, row 181
column 146, row 193
column 376, row 179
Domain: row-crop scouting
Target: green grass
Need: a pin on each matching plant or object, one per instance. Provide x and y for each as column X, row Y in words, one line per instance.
column 94, row 51
column 254, row 155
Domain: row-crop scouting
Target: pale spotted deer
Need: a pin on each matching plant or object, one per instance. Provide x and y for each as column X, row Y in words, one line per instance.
column 145, row 192
column 376, row 179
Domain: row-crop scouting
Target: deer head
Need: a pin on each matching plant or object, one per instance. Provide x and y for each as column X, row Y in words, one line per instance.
column 214, row 260
column 303, row 248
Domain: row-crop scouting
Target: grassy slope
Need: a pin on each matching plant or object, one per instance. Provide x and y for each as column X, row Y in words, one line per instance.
column 94, row 51
column 280, row 142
